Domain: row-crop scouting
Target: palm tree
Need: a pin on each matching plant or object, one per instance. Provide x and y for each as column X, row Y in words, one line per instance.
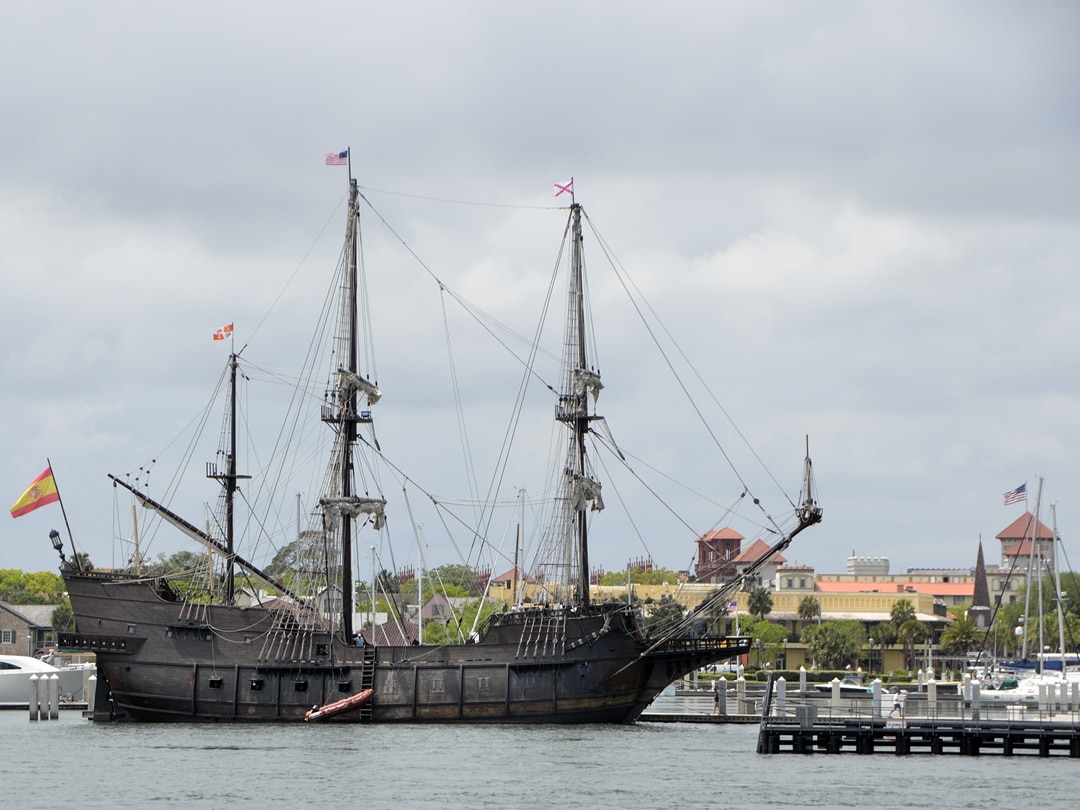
column 834, row 644
column 910, row 632
column 760, row 602
column 809, row 608
column 902, row 611
column 960, row 637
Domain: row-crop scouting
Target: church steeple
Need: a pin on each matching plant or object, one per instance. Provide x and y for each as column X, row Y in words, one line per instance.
column 980, row 602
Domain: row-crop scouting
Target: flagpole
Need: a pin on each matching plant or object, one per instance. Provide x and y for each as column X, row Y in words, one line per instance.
column 60, row 500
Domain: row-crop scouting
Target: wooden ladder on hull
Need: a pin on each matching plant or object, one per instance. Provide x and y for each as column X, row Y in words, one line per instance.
column 367, row 680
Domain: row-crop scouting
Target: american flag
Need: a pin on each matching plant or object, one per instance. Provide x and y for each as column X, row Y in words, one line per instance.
column 732, row 607
column 1016, row 495
column 337, row 158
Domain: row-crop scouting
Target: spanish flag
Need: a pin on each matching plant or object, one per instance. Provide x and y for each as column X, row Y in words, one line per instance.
column 39, row 493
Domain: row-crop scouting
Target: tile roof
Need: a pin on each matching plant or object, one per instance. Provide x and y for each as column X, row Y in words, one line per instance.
column 871, row 586
column 721, row 534
column 755, row 551
column 1021, row 528
column 390, row 635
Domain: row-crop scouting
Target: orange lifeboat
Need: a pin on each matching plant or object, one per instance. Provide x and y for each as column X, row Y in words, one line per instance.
column 343, row 705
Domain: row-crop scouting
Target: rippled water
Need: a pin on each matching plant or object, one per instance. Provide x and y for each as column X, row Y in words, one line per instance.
column 74, row 763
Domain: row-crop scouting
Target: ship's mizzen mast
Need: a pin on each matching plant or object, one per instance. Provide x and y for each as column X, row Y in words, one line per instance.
column 579, row 489
column 229, row 480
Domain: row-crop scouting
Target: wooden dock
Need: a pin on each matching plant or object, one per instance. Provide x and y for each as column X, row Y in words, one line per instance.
column 808, row 730
column 923, row 736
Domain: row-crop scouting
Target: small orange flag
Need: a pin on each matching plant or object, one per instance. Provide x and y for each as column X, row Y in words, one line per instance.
column 223, row 332
column 40, row 492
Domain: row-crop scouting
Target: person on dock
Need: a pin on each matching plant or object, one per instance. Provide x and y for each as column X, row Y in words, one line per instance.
column 898, row 702
column 715, row 700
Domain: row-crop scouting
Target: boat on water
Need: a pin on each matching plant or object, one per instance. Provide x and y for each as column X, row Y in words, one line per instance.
column 15, row 672
column 176, row 651
column 850, row 685
column 339, row 706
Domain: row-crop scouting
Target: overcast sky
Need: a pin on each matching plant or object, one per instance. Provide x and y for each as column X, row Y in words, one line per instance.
column 861, row 217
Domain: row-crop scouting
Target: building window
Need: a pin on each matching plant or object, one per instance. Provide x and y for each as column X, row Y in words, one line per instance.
column 7, row 636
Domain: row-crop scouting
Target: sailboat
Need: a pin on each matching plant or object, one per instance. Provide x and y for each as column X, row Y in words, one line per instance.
column 170, row 652
column 1036, row 675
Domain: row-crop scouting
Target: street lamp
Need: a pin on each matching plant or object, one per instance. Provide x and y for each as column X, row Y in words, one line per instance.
column 870, row 659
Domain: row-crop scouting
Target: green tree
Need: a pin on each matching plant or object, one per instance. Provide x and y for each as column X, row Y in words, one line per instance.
column 181, row 563
column 768, row 639
column 63, row 618
column 38, row 588
column 459, row 624
column 883, row 633
column 902, row 611
column 460, row 576
column 1070, row 592
column 664, row 616
column 809, row 608
column 760, row 602
column 960, row 637
column 835, row 644
column 911, row 633
column 650, row 576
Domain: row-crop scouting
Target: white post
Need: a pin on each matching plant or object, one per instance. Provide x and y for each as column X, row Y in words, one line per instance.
column 834, row 696
column 781, row 696
column 802, row 680
column 90, row 693
column 54, row 696
column 931, row 698
column 740, row 694
column 33, row 697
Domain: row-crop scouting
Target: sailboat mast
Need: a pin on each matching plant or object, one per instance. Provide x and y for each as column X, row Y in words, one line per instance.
column 1054, row 558
column 1031, row 572
column 351, row 410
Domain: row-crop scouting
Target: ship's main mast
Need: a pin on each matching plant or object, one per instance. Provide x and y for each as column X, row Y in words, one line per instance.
column 579, row 383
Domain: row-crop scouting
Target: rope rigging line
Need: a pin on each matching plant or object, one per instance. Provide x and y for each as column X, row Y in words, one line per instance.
column 627, row 283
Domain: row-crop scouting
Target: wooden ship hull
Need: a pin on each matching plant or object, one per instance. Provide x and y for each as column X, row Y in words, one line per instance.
column 161, row 660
